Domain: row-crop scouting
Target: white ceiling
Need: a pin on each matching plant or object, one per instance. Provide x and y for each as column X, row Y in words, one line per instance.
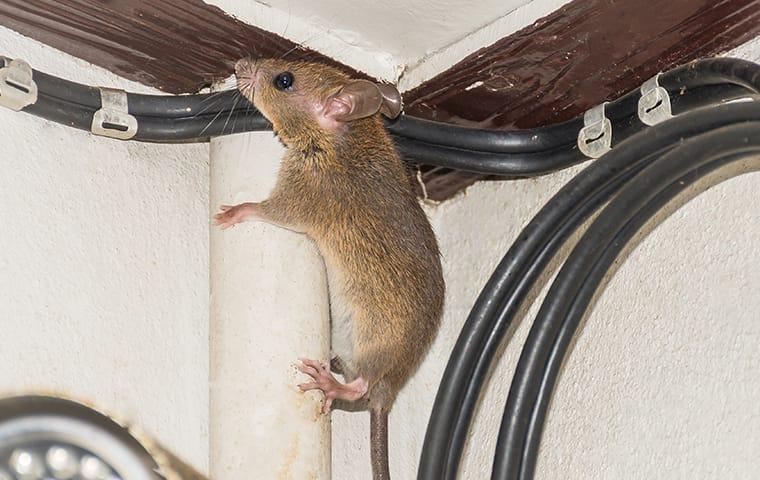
column 402, row 41
column 407, row 29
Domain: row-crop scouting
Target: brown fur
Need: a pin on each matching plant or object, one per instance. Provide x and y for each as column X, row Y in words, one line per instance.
column 347, row 188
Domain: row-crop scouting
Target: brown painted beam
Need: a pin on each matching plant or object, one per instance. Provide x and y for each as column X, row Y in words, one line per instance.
column 586, row 52
column 178, row 46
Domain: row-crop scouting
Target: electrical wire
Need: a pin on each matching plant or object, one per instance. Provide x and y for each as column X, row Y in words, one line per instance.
column 582, row 273
column 741, row 74
column 522, row 153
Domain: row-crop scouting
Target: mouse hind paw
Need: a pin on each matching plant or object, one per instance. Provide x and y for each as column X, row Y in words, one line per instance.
column 322, row 379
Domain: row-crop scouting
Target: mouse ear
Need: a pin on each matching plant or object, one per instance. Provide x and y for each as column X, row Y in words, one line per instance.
column 392, row 101
column 362, row 98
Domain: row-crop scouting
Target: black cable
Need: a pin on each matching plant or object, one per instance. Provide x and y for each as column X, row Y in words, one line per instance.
column 59, row 111
column 66, row 90
column 517, row 272
column 156, row 129
column 183, row 106
column 489, row 163
column 140, row 105
column 509, row 154
column 532, row 163
column 485, row 140
column 528, row 164
column 696, row 97
column 713, row 71
column 741, row 74
column 589, row 288
column 151, row 129
column 579, row 278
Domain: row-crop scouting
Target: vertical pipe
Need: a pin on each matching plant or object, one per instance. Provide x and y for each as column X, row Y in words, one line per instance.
column 269, row 306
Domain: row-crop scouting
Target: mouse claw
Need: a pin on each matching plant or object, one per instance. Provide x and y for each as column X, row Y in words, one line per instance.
column 305, row 387
column 308, row 370
column 321, row 366
column 327, row 406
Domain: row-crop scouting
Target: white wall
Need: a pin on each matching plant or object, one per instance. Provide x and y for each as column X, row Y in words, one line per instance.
column 663, row 381
column 104, row 266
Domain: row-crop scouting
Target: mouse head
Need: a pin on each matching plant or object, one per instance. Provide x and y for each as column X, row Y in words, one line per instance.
column 306, row 100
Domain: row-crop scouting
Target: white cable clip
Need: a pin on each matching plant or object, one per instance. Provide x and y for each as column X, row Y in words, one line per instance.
column 595, row 138
column 113, row 119
column 654, row 104
column 17, row 87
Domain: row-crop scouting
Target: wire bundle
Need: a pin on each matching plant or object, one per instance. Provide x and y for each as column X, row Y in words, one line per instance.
column 523, row 153
column 638, row 177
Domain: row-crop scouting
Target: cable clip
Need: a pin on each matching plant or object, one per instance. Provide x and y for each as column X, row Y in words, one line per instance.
column 654, row 104
column 113, row 119
column 17, row 88
column 595, row 138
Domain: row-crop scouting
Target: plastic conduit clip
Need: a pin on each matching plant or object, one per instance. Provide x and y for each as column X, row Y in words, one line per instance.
column 17, row 87
column 113, row 119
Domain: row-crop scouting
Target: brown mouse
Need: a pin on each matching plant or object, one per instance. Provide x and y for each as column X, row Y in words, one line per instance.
column 343, row 183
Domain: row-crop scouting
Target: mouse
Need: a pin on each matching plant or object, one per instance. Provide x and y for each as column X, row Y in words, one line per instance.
column 343, row 183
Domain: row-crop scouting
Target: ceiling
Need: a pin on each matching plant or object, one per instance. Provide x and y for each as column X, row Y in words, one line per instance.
column 407, row 29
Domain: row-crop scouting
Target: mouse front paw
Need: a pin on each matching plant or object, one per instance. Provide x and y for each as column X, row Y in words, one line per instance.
column 231, row 215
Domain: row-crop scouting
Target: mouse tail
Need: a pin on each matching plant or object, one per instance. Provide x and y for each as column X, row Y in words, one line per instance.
column 378, row 435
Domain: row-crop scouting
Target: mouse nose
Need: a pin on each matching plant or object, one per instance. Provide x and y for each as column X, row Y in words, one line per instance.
column 244, row 67
column 246, row 72
column 239, row 65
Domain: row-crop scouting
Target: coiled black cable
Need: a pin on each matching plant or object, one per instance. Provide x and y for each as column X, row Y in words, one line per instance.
column 579, row 279
column 516, row 274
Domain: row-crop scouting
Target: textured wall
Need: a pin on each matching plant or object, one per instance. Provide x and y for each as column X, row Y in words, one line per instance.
column 662, row 383
column 104, row 266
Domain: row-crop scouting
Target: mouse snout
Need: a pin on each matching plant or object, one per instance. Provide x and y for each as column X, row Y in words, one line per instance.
column 242, row 65
column 246, row 70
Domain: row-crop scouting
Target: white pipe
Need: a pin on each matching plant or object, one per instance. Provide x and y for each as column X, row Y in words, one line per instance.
column 269, row 306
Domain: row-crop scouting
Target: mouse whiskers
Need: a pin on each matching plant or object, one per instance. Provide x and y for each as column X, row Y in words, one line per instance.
column 245, row 86
column 212, row 121
column 232, row 110
column 210, row 102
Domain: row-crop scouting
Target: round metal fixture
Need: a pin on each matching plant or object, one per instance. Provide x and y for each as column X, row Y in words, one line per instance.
column 48, row 438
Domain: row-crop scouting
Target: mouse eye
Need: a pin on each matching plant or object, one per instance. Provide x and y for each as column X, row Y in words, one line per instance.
column 283, row 81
